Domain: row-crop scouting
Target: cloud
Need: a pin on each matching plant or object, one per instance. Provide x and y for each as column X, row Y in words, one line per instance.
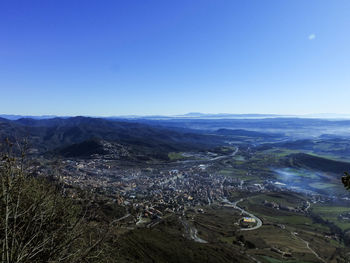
column 312, row 37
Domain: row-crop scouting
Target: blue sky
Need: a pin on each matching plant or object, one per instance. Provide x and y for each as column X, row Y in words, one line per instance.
column 103, row 58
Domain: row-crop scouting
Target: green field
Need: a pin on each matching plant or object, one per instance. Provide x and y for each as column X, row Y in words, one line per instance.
column 173, row 156
column 323, row 185
column 331, row 212
column 281, row 198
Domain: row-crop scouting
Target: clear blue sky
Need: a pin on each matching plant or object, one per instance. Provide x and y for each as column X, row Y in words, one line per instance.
column 69, row 57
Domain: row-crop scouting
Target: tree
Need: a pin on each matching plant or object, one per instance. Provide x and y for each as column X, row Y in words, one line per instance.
column 346, row 180
column 38, row 223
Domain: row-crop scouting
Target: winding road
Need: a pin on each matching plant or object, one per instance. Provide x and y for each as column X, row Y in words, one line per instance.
column 259, row 224
column 235, row 206
column 225, row 156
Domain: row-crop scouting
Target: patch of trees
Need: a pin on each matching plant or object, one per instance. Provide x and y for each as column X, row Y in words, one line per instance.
column 334, row 229
column 40, row 223
column 346, row 180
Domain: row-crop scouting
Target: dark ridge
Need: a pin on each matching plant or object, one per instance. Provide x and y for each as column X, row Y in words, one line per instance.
column 3, row 120
column 83, row 149
column 304, row 160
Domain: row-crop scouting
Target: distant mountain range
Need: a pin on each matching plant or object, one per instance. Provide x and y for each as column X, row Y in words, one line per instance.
column 16, row 117
column 193, row 115
column 156, row 138
column 224, row 115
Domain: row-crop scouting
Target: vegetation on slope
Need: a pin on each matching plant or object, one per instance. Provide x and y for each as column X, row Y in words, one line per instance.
column 318, row 163
column 39, row 223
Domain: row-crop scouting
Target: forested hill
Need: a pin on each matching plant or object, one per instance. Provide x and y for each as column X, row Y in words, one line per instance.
column 313, row 162
column 49, row 135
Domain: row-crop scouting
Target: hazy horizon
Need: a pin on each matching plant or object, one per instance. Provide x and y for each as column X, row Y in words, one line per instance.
column 190, row 115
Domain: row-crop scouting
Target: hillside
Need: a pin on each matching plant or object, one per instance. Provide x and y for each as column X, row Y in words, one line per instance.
column 308, row 161
column 56, row 134
column 95, row 147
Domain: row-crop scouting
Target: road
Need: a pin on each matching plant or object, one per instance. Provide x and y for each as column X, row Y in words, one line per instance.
column 140, row 220
column 195, row 237
column 121, row 218
column 192, row 231
column 212, row 159
column 225, row 156
column 308, row 246
column 259, row 224
column 235, row 206
column 308, row 206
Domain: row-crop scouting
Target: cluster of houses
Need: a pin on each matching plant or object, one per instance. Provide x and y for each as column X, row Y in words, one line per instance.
column 154, row 191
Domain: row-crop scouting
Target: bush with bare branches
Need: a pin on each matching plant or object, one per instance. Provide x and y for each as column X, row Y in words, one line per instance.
column 38, row 223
